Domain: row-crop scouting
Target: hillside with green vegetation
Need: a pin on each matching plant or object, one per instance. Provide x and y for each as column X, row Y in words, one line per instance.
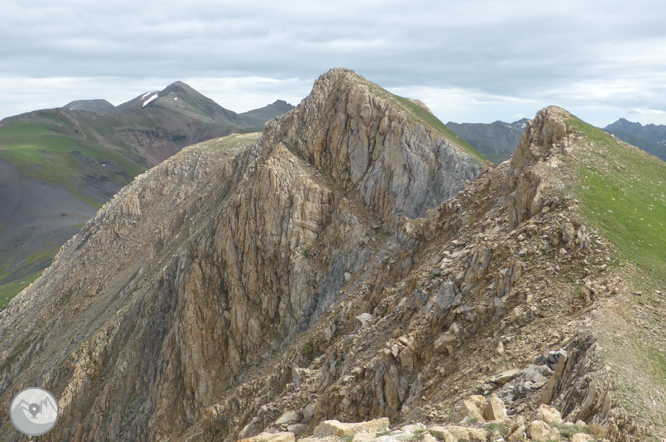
column 623, row 189
column 59, row 166
column 622, row 195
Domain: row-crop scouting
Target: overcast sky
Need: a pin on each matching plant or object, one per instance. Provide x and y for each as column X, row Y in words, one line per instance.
column 469, row 61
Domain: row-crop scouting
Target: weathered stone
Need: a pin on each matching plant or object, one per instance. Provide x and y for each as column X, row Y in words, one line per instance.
column 598, row 430
column 446, row 342
column 442, row 434
column 337, row 428
column 548, row 414
column 467, row 434
column 272, row 437
column 494, row 409
column 287, row 418
column 309, row 410
column 469, row 408
column 363, row 319
column 539, row 431
column 506, row 376
column 581, row 437
column 518, row 435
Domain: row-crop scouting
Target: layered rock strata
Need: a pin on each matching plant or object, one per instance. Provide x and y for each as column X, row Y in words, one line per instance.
column 207, row 265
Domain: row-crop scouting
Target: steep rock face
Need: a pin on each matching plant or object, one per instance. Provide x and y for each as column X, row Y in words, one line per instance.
column 466, row 303
column 209, row 263
column 366, row 141
column 544, row 137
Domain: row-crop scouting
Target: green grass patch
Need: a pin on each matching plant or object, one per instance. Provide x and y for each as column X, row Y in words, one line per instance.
column 496, row 426
column 624, row 194
column 568, row 430
column 38, row 151
column 16, row 353
column 659, row 363
column 11, row 289
column 431, row 121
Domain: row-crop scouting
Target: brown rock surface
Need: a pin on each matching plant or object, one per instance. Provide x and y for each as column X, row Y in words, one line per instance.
column 221, row 290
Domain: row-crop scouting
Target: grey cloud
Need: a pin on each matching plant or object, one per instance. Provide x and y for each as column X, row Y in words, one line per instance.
column 545, row 51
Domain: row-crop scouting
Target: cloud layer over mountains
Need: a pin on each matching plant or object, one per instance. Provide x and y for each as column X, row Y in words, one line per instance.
column 469, row 61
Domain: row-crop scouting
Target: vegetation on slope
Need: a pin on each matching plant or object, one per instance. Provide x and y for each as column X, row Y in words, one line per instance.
column 622, row 190
column 38, row 151
column 624, row 194
column 420, row 115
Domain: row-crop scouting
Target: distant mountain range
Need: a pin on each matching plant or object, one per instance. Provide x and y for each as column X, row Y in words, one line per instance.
column 498, row 140
column 651, row 138
column 59, row 166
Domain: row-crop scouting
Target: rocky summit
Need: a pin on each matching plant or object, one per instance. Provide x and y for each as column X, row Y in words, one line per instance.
column 354, row 273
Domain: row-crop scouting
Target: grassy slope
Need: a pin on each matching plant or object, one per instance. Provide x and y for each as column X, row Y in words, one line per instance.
column 622, row 190
column 38, row 151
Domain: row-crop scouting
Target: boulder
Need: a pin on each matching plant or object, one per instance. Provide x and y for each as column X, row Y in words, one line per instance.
column 442, row 434
column 445, row 342
column 506, row 376
column 469, row 408
column 287, row 418
column 581, row 437
column 540, row 431
column 494, row 410
column 466, row 434
column 547, row 414
column 272, row 437
column 337, row 428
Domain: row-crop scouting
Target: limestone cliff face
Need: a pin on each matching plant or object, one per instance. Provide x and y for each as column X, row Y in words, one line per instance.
column 211, row 263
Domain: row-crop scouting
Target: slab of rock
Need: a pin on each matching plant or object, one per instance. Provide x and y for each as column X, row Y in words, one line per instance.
column 494, row 410
column 506, row 376
column 363, row 319
column 547, row 414
column 287, row 418
column 581, row 437
column 442, row 433
column 540, row 431
column 518, row 435
column 466, row 434
column 469, row 408
column 445, row 342
column 337, row 428
column 271, row 437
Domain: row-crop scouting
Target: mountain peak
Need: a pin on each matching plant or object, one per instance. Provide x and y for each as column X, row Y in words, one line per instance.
column 90, row 106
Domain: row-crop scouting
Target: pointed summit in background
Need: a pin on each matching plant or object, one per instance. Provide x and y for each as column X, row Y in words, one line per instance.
column 183, row 99
column 651, row 138
column 58, row 166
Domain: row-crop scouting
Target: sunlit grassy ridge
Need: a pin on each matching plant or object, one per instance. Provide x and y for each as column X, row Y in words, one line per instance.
column 40, row 152
column 624, row 194
column 622, row 191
